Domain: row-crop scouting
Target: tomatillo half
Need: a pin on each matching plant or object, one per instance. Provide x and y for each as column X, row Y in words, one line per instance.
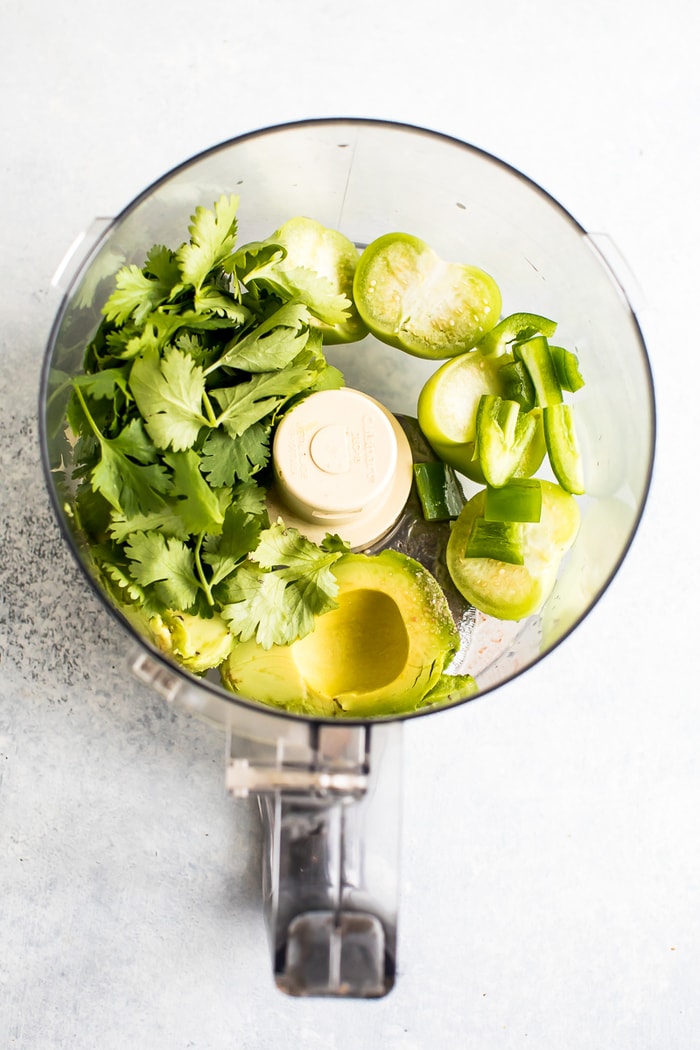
column 412, row 299
column 447, row 413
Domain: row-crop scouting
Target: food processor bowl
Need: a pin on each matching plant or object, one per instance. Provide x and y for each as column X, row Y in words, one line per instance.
column 330, row 789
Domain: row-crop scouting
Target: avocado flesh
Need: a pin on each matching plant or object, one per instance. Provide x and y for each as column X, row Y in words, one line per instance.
column 378, row 653
column 193, row 641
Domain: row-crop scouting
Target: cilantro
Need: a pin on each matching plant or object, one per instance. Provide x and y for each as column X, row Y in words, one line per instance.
column 112, row 566
column 239, row 535
column 169, row 391
column 250, row 498
column 293, row 583
column 273, row 344
column 167, row 520
column 135, row 293
column 129, row 486
column 104, row 384
column 198, row 353
column 226, row 460
column 251, row 262
column 214, row 300
column 257, row 608
column 315, row 291
column 200, row 507
column 260, row 396
column 212, row 239
column 168, row 564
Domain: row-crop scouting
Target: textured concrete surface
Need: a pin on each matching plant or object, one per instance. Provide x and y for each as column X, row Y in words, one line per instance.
column 550, row 850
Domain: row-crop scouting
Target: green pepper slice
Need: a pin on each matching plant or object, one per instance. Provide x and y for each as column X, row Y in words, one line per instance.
column 498, row 540
column 514, row 329
column 439, row 492
column 537, row 358
column 517, row 384
column 503, row 434
column 567, row 369
column 563, row 448
column 519, row 500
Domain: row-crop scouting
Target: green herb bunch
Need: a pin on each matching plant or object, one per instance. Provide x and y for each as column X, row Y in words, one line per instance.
column 199, row 353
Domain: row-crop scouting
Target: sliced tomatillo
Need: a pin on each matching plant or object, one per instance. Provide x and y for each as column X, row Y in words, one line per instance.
column 412, row 299
column 447, row 409
column 502, row 589
column 319, row 269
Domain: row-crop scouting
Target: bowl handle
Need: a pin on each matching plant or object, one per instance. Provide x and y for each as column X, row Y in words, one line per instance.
column 331, row 855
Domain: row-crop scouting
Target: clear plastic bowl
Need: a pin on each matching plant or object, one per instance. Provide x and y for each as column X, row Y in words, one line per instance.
column 366, row 178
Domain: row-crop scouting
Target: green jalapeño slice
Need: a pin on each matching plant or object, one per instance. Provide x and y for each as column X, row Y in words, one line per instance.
column 412, row 299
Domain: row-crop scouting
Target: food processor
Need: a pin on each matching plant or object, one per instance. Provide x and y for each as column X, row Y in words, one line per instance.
column 329, row 789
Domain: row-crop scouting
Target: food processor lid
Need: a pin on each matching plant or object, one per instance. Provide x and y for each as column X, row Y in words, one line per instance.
column 342, row 463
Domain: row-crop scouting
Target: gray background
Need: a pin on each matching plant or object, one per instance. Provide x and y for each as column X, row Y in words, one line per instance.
column 550, row 891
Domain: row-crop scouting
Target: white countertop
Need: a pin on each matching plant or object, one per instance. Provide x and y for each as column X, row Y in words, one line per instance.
column 551, row 851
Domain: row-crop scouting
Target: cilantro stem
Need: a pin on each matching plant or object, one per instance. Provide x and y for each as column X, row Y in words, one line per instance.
column 200, row 570
column 210, row 413
column 88, row 417
column 57, row 391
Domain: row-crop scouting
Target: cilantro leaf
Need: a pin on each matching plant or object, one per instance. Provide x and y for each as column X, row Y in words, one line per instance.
column 199, row 506
column 296, row 558
column 272, row 345
column 211, row 299
column 264, row 394
column 250, row 497
column 102, row 384
column 165, row 563
column 212, row 239
column 252, row 260
column 316, row 291
column 294, row 583
column 161, row 264
column 140, row 290
column 239, row 536
column 129, row 487
column 155, row 332
column 113, row 569
column 168, row 392
column 256, row 607
column 134, row 442
column 226, row 459
column 166, row 520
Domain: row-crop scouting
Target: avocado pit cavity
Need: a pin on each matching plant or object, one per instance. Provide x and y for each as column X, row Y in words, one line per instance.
column 380, row 652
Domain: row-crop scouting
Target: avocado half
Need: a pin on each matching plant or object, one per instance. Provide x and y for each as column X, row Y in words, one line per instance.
column 380, row 652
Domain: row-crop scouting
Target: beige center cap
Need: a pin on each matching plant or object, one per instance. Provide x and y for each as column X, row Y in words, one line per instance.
column 342, row 464
column 329, row 449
